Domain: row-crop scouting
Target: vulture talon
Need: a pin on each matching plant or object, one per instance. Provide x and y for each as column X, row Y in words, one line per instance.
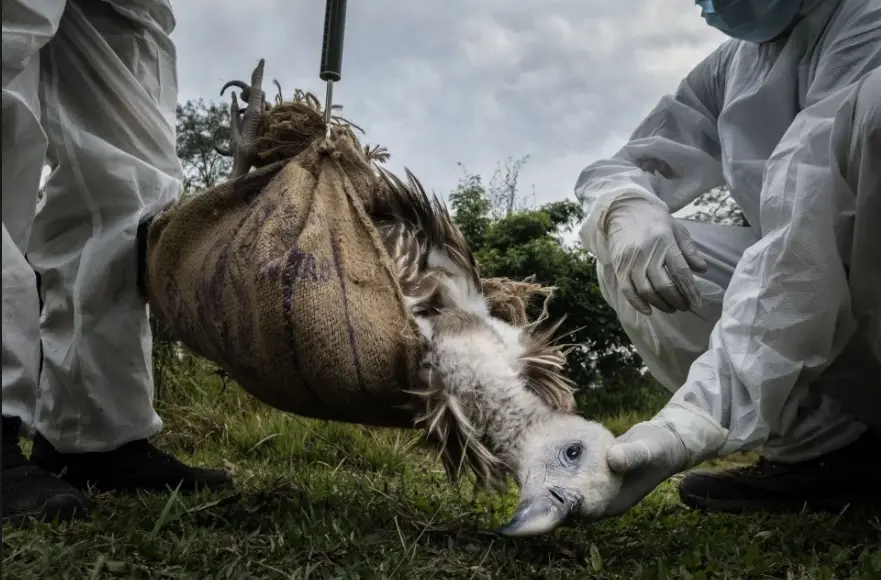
column 279, row 98
column 245, row 122
column 220, row 149
column 246, row 93
column 241, row 85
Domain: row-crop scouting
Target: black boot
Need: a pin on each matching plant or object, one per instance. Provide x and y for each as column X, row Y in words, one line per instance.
column 849, row 476
column 31, row 492
column 134, row 466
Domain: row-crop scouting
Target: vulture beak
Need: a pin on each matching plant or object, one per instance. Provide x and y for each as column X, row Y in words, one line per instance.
column 542, row 513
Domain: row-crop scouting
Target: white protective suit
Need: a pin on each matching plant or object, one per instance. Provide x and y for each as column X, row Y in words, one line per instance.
column 93, row 85
column 793, row 127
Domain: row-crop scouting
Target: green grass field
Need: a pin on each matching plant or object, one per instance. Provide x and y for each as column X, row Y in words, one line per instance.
column 323, row 500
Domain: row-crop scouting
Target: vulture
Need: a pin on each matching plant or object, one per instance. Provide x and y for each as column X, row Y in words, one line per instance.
column 492, row 397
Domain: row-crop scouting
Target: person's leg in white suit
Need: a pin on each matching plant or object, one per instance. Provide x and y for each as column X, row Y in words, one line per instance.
column 92, row 84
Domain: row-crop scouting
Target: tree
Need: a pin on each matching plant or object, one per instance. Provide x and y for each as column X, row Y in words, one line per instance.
column 471, row 209
column 528, row 242
column 503, row 188
column 716, row 206
column 199, row 126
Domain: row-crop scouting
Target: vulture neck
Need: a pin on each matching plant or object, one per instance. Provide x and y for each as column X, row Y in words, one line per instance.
column 504, row 412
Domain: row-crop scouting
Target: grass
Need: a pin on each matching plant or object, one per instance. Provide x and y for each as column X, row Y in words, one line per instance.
column 323, row 500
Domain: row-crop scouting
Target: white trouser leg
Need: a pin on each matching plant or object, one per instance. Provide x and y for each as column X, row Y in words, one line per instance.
column 669, row 343
column 109, row 91
column 27, row 26
column 853, row 381
column 21, row 333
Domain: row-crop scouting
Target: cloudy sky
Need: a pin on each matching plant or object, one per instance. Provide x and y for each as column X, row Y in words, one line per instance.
column 470, row 81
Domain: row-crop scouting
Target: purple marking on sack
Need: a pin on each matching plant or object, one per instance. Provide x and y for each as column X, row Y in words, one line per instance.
column 287, row 311
column 351, row 330
column 239, row 282
column 299, row 266
column 209, row 293
column 288, row 314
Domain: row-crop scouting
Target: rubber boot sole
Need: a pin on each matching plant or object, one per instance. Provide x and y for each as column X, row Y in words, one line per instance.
column 61, row 508
column 778, row 506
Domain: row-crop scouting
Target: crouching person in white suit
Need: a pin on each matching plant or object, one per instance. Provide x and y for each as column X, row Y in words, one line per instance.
column 93, row 85
column 768, row 335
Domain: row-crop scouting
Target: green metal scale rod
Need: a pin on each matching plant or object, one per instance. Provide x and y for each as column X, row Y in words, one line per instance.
column 332, row 50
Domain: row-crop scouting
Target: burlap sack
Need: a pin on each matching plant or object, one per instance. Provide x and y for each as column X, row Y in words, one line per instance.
column 281, row 279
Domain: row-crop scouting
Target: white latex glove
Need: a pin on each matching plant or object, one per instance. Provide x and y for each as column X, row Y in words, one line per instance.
column 652, row 451
column 652, row 255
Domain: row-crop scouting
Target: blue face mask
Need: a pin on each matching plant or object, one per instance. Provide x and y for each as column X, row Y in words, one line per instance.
column 750, row 20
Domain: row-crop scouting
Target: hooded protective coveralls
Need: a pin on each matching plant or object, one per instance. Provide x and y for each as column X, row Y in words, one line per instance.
column 92, row 85
column 793, row 127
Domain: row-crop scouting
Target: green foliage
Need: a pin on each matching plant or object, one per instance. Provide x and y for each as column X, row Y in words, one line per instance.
column 527, row 242
column 199, row 124
column 626, row 391
column 716, row 206
column 471, row 208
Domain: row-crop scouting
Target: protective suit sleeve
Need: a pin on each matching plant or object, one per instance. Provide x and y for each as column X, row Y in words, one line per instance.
column 787, row 314
column 672, row 157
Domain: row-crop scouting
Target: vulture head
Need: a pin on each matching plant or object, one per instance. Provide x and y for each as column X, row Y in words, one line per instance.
column 498, row 406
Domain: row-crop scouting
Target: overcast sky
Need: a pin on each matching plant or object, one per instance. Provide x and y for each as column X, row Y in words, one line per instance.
column 470, row 81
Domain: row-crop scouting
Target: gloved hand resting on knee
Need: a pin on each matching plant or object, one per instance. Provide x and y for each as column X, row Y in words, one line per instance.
column 652, row 255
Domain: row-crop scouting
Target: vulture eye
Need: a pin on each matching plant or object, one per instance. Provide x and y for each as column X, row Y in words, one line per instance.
column 573, row 452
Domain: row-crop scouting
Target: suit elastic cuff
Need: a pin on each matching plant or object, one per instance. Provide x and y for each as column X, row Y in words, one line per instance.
column 702, row 435
column 592, row 233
